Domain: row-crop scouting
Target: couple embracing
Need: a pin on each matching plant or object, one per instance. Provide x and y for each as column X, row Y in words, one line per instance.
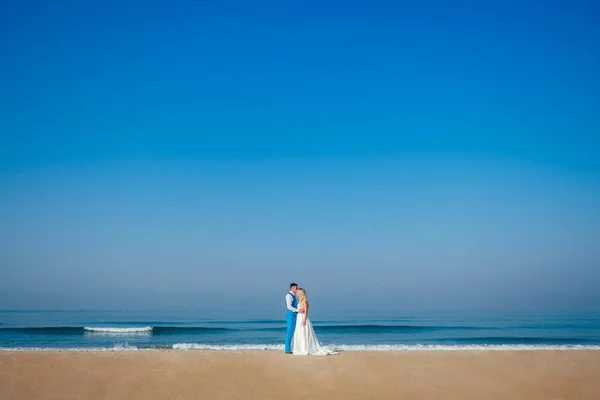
column 300, row 338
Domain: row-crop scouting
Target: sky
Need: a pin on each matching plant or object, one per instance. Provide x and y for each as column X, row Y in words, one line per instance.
column 384, row 155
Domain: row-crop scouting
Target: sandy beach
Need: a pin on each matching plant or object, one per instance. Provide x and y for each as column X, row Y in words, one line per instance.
column 272, row 375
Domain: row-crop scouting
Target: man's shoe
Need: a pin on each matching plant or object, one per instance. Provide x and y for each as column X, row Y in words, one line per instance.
column 288, row 352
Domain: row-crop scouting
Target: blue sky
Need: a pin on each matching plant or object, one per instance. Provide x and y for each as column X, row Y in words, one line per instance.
column 422, row 155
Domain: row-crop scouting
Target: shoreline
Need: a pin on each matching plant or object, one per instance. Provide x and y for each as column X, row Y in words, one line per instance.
column 194, row 347
column 159, row 374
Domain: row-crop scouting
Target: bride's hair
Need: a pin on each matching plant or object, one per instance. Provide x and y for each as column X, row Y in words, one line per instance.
column 301, row 293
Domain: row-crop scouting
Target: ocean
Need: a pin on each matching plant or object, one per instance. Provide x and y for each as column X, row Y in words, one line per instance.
column 201, row 330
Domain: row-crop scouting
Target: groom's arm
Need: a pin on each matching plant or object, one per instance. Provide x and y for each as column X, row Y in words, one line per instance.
column 288, row 300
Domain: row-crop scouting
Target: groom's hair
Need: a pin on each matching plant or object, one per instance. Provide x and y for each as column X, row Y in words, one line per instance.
column 293, row 284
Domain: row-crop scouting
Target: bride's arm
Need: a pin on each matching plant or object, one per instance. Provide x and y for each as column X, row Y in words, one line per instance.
column 305, row 313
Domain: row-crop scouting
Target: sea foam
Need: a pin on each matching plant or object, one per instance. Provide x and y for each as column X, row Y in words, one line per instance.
column 341, row 347
column 118, row 330
column 386, row 347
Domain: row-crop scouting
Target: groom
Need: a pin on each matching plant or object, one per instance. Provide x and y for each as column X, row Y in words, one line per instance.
column 292, row 313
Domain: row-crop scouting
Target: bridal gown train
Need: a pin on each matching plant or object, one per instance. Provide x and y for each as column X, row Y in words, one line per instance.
column 305, row 341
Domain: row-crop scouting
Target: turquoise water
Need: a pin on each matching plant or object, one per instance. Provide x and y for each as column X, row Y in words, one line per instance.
column 132, row 330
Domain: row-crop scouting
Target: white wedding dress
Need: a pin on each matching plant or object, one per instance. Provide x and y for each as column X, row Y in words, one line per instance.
column 305, row 341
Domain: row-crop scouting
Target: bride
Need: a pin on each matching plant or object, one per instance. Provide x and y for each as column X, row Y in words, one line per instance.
column 305, row 341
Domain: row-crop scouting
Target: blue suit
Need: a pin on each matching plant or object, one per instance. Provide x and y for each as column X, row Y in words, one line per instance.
column 290, row 318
